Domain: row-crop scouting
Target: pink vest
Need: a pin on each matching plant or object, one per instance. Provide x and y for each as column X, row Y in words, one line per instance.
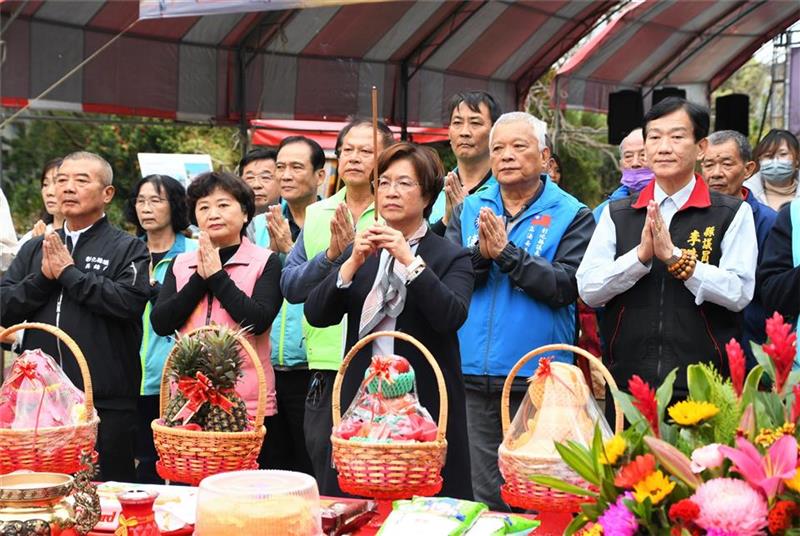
column 244, row 268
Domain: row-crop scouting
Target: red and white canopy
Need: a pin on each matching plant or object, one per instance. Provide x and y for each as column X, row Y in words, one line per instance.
column 696, row 45
column 316, row 63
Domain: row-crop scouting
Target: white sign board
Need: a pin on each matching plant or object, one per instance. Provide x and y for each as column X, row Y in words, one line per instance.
column 182, row 167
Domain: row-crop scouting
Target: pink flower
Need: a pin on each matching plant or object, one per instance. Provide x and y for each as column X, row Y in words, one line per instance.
column 766, row 473
column 730, row 506
column 795, row 413
column 617, row 520
column 736, row 364
column 780, row 347
column 708, row 457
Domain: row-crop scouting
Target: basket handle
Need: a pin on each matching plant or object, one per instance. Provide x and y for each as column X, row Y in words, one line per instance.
column 251, row 353
column 336, row 398
column 60, row 334
column 505, row 400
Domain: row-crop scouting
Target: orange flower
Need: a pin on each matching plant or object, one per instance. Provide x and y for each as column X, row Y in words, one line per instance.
column 636, row 471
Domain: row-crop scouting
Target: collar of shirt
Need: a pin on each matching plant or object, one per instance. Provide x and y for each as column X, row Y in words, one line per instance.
column 528, row 203
column 481, row 183
column 670, row 204
column 75, row 235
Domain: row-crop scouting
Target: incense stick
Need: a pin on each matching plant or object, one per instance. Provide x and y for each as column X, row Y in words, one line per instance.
column 375, row 147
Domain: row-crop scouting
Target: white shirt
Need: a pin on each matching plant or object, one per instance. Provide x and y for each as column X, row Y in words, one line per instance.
column 74, row 235
column 8, row 237
column 730, row 285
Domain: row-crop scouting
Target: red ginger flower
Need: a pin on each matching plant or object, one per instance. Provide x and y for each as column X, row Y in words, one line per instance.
column 780, row 517
column 636, row 471
column 736, row 364
column 684, row 512
column 780, row 347
column 644, row 399
column 795, row 413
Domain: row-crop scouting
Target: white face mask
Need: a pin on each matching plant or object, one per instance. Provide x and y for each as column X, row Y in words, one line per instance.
column 776, row 170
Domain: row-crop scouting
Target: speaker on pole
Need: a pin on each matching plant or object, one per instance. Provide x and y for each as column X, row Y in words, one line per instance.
column 625, row 113
column 733, row 113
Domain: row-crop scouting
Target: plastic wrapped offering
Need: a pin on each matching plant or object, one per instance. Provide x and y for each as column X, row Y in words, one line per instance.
column 557, row 407
column 424, row 516
column 386, row 407
column 37, row 394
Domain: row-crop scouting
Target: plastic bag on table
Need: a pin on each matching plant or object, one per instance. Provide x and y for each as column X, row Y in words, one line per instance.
column 386, row 407
column 38, row 394
column 558, row 406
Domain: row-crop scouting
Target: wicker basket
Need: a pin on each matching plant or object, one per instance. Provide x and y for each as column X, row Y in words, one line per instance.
column 517, row 469
column 189, row 456
column 390, row 470
column 33, row 449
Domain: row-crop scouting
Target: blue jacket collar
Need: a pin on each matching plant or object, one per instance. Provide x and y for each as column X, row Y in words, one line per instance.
column 548, row 197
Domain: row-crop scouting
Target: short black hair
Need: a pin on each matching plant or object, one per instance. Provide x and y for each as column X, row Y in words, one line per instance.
column 50, row 165
column 206, row 183
column 473, row 100
column 384, row 132
column 176, row 196
column 259, row 153
column 317, row 154
column 698, row 115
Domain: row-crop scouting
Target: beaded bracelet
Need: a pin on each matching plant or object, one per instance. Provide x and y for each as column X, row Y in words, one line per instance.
column 683, row 268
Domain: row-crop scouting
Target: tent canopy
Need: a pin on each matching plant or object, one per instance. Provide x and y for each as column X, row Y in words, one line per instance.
column 695, row 45
column 316, row 63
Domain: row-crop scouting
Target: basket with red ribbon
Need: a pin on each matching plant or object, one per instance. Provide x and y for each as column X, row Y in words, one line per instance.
column 46, row 423
column 204, row 428
column 386, row 445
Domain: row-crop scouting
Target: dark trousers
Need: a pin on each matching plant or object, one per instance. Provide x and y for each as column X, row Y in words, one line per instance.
column 285, row 444
column 485, row 433
column 317, row 425
column 146, row 455
column 116, row 437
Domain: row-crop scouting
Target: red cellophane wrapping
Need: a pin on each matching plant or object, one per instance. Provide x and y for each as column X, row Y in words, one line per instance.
column 37, row 394
column 386, row 408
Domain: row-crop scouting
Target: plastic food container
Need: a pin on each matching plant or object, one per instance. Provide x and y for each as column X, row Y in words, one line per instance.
column 258, row 503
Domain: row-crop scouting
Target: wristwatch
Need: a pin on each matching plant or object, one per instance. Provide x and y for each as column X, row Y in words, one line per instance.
column 676, row 255
column 414, row 268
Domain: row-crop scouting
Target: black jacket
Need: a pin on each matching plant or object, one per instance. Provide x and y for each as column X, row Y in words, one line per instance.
column 436, row 306
column 102, row 298
column 778, row 277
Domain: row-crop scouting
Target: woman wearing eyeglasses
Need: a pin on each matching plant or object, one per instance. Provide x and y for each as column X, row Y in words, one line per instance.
column 401, row 276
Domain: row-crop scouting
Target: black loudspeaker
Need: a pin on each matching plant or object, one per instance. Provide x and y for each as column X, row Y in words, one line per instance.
column 733, row 113
column 625, row 113
column 664, row 92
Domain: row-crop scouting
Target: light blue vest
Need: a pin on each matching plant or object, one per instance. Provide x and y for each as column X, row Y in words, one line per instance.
column 795, row 215
column 504, row 323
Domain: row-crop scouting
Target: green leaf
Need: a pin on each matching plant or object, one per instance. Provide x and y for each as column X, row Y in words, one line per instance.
column 773, row 409
column 578, row 522
column 560, row 485
column 699, row 383
column 793, row 379
column 579, row 459
column 750, row 387
column 763, row 359
column 626, row 403
column 664, row 394
column 597, row 448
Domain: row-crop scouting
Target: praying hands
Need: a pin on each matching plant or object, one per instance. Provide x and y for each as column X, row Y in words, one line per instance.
column 655, row 240
column 55, row 256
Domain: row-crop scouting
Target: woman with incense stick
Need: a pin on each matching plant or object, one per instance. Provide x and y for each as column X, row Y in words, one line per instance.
column 400, row 276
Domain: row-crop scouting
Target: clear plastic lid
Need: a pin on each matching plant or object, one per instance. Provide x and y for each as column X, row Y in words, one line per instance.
column 259, row 503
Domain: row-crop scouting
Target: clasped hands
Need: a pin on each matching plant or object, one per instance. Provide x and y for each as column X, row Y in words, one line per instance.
column 208, row 261
column 55, row 256
column 655, row 241
column 369, row 241
column 492, row 235
column 280, row 235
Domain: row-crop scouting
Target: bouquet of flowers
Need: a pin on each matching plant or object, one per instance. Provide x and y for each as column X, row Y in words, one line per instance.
column 723, row 462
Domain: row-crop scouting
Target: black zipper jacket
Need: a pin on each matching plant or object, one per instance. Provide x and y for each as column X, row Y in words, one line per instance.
column 99, row 302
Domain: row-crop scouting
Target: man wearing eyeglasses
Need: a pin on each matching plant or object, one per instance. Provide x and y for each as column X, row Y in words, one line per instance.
column 257, row 169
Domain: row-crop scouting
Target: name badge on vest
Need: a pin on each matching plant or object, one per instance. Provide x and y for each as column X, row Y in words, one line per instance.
column 537, row 233
column 704, row 241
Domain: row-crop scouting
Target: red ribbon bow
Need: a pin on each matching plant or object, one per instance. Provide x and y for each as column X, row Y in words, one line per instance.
column 198, row 391
column 22, row 369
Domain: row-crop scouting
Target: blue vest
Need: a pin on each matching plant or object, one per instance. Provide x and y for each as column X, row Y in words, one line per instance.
column 795, row 216
column 504, row 323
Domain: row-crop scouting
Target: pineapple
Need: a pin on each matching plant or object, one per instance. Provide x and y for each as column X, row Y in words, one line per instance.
column 222, row 363
column 185, row 362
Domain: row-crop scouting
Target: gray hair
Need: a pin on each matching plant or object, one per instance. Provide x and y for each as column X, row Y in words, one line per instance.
column 631, row 133
column 106, row 173
column 721, row 136
column 538, row 127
